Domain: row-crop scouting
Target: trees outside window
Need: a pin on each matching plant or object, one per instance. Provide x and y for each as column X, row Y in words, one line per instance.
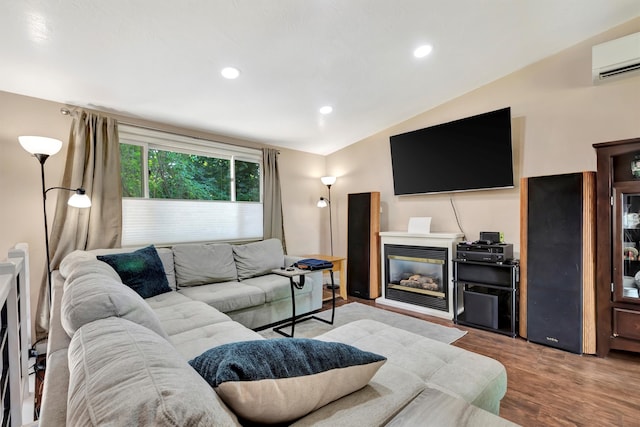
column 189, row 175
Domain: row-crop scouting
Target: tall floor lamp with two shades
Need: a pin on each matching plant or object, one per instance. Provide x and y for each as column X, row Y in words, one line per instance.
column 42, row 148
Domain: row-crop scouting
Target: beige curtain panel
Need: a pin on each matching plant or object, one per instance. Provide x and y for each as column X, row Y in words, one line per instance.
column 93, row 163
column 273, row 226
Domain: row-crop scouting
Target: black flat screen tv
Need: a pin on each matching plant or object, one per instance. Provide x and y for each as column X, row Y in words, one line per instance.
column 473, row 153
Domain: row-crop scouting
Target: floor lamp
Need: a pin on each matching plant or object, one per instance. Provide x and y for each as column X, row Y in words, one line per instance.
column 323, row 203
column 326, row 201
column 41, row 148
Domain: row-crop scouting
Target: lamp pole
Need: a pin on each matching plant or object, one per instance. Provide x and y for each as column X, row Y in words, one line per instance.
column 330, row 221
column 43, row 158
column 329, row 181
column 78, row 200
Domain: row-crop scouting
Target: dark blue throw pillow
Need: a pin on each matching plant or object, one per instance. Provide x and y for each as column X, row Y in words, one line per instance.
column 141, row 270
column 279, row 380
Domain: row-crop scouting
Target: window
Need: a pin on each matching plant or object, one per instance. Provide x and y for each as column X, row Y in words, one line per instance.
column 182, row 189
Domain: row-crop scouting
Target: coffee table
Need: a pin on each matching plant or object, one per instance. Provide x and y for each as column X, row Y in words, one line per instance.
column 293, row 273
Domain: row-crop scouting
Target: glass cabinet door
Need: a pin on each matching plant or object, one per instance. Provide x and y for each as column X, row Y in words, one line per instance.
column 627, row 276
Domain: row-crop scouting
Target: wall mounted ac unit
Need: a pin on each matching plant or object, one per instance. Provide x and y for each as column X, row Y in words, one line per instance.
column 616, row 58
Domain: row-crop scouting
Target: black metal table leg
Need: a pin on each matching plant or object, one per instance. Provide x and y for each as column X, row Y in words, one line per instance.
column 299, row 285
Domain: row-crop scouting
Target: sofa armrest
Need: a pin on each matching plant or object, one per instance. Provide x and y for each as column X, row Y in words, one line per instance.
column 53, row 411
column 58, row 338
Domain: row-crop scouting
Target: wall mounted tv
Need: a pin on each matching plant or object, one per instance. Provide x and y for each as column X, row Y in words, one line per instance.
column 473, row 153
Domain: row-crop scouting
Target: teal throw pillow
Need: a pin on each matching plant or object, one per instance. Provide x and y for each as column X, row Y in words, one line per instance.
column 280, row 380
column 141, row 270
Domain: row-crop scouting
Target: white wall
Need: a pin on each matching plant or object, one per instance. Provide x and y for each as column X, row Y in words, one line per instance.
column 557, row 114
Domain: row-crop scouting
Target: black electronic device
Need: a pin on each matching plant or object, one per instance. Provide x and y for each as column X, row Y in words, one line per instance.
column 483, row 252
column 473, row 153
column 491, row 236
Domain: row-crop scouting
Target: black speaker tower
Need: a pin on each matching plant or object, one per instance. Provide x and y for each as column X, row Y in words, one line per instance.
column 557, row 251
column 363, row 243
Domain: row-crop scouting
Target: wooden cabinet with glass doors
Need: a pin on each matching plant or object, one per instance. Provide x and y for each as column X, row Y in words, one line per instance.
column 618, row 246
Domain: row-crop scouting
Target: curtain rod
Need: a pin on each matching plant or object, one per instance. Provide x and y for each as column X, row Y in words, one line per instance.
column 66, row 112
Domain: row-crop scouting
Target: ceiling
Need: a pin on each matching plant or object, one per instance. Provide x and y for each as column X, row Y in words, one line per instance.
column 160, row 60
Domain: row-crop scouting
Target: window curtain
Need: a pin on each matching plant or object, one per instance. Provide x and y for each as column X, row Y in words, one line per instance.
column 272, row 203
column 93, row 163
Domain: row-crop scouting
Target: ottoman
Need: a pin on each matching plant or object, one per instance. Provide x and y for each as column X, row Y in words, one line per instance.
column 414, row 363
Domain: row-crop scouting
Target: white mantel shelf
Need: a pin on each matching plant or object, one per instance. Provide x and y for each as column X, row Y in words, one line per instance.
column 443, row 240
column 449, row 236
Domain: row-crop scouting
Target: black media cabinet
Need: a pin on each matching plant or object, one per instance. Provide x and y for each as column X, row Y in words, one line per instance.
column 489, row 295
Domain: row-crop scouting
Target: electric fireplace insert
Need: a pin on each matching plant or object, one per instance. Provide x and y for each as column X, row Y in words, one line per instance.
column 417, row 275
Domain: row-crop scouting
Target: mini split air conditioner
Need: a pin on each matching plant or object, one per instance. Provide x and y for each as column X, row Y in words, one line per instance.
column 616, row 58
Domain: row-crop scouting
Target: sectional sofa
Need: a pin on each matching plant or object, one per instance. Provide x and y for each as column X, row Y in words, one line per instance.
column 116, row 358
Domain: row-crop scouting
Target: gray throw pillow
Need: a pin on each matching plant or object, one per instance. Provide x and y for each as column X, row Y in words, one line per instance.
column 256, row 259
column 200, row 264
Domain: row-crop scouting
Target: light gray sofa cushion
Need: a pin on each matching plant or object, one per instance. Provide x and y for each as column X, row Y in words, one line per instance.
column 278, row 287
column 166, row 256
column 69, row 262
column 199, row 264
column 122, row 373
column 255, row 259
column 227, row 296
column 196, row 341
column 86, row 300
column 90, row 266
column 168, row 299
column 188, row 315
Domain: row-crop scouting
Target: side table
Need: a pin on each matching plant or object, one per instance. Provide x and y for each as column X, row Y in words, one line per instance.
column 292, row 273
column 339, row 265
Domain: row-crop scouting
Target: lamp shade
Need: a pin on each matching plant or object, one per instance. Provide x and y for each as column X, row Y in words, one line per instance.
column 40, row 144
column 322, row 203
column 79, row 200
column 328, row 180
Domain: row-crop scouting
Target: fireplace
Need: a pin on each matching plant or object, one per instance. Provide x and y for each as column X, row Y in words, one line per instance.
column 417, row 275
column 416, row 272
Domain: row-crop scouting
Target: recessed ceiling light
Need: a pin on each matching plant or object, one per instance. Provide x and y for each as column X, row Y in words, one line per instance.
column 422, row 51
column 230, row 73
column 327, row 109
column 39, row 30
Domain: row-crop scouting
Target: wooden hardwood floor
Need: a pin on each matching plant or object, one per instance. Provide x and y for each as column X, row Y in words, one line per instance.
column 550, row 387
